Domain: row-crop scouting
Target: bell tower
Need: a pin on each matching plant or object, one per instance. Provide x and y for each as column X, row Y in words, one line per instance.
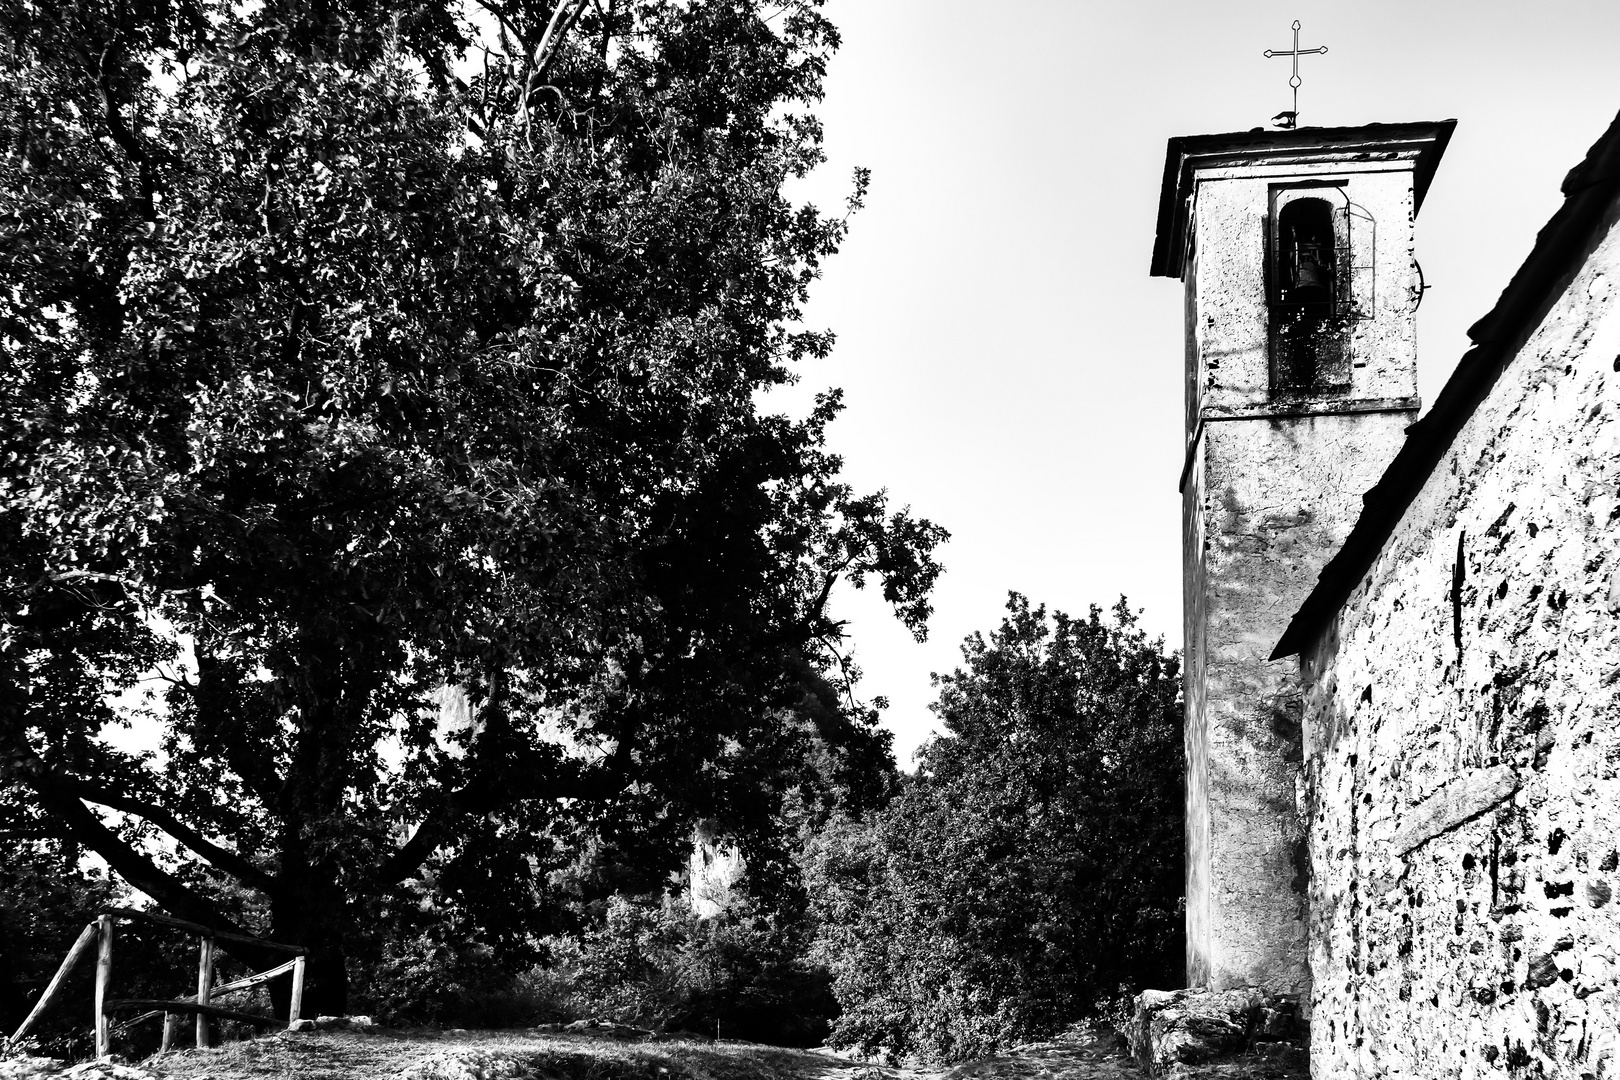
column 1295, row 252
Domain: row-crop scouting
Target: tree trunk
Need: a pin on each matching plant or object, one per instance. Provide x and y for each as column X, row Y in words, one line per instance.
column 335, row 682
column 312, row 910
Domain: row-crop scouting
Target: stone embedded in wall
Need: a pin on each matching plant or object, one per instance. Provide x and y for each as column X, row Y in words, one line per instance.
column 1462, row 799
column 1542, row 972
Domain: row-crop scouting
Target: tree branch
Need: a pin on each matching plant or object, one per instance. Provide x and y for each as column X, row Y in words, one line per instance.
column 567, row 13
column 562, row 21
column 18, row 761
column 123, row 136
column 89, row 575
column 499, row 11
column 819, row 607
column 475, row 796
column 221, row 858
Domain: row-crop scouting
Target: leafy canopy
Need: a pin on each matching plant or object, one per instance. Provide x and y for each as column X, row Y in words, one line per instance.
column 358, row 349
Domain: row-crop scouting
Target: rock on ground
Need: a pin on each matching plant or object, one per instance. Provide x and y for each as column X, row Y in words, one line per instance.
column 1173, row 1031
column 362, row 1024
column 608, row 1029
column 37, row 1068
column 471, row 1065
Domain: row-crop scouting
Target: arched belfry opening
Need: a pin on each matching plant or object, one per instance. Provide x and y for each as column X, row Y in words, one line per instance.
column 1310, row 307
column 1309, row 256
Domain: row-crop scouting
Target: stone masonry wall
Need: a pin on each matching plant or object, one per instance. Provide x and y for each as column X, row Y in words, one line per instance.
column 1462, row 725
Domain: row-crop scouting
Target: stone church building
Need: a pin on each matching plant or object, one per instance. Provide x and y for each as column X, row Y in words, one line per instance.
column 1402, row 634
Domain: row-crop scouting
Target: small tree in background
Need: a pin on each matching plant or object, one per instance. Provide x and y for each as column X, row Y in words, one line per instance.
column 1032, row 868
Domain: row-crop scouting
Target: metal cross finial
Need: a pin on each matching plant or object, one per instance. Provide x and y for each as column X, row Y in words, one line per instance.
column 1291, row 119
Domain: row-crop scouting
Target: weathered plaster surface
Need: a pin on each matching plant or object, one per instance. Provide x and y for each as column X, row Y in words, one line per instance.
column 1195, row 740
column 1278, row 497
column 1196, row 735
column 1271, row 490
column 1231, row 325
column 1462, row 723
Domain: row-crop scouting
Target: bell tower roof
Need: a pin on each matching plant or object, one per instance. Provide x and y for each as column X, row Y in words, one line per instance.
column 1422, row 143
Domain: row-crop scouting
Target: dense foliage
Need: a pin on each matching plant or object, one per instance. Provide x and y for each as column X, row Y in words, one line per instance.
column 1031, row 870
column 353, row 350
column 593, row 946
column 741, row 974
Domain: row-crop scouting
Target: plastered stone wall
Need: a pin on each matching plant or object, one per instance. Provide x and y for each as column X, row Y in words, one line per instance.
column 1195, row 733
column 1462, row 728
column 1271, row 490
column 1194, row 736
column 1231, row 322
column 1279, row 496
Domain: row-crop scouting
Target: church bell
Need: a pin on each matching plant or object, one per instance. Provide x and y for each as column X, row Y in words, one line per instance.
column 1307, row 261
column 1313, row 281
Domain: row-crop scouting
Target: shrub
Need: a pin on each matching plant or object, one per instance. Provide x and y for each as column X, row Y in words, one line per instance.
column 426, row 978
column 740, row 974
column 1032, row 867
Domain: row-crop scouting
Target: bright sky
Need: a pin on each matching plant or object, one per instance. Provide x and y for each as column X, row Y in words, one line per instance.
column 1010, row 369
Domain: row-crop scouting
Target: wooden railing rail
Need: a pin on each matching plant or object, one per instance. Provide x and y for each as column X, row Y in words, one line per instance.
column 100, row 933
column 199, row 929
column 183, row 1006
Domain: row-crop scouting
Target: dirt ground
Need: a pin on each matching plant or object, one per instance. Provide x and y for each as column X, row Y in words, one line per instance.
column 571, row 1055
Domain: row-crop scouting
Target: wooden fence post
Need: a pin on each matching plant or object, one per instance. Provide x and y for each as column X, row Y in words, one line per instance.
column 297, row 1005
column 104, row 930
column 205, row 987
column 171, row 1031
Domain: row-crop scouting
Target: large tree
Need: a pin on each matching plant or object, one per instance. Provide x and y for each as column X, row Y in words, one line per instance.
column 358, row 348
column 1032, row 867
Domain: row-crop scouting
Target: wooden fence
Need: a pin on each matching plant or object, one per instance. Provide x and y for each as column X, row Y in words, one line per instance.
column 200, row 1004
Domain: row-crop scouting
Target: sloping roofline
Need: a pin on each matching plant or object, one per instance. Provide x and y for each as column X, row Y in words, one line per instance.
column 1185, row 152
column 1561, row 247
